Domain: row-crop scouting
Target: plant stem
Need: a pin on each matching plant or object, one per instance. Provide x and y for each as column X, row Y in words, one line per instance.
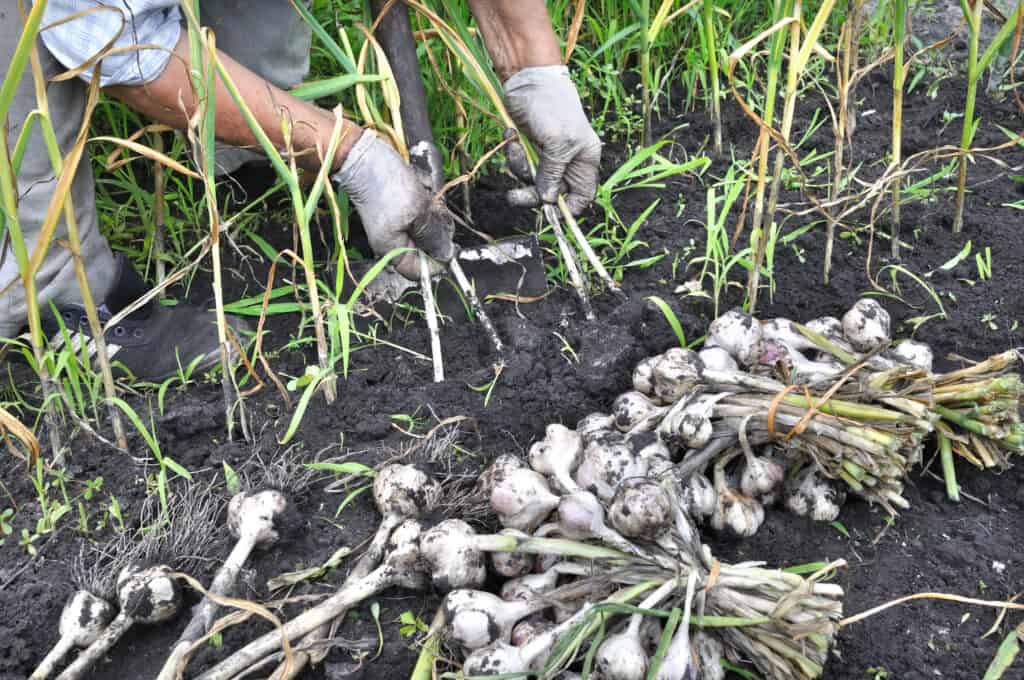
column 899, row 8
column 967, row 136
column 948, row 469
column 712, row 48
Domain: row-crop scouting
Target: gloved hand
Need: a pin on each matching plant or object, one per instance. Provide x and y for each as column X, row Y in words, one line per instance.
column 394, row 204
column 544, row 104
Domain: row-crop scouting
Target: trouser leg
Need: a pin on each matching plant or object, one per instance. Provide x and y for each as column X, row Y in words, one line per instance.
column 55, row 280
column 266, row 36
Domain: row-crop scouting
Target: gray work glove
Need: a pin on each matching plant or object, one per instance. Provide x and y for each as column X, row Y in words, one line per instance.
column 394, row 204
column 544, row 104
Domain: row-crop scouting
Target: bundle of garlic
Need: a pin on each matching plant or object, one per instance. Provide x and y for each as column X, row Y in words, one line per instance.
column 618, row 574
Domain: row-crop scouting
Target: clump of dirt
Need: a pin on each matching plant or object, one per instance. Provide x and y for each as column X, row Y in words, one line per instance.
column 561, row 368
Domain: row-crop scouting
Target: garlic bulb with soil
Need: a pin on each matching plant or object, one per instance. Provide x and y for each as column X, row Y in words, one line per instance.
column 634, row 410
column 740, row 514
column 451, row 556
column 594, row 424
column 643, row 375
column 717, row 359
column 699, row 496
column 640, row 509
column 523, row 500
column 739, row 334
column 497, row 471
column 867, row 326
column 82, row 620
column 528, row 587
column 761, row 476
column 476, row 618
column 558, row 455
column 677, row 372
column 811, row 494
column 605, row 464
column 687, row 425
column 581, row 516
column 148, row 596
column 648, row 446
column 529, row 628
column 501, row 658
column 917, row 354
column 512, row 565
column 622, row 656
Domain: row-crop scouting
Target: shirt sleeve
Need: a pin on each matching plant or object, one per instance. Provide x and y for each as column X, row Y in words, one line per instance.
column 125, row 22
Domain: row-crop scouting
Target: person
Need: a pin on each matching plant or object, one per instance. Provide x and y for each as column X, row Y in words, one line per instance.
column 264, row 46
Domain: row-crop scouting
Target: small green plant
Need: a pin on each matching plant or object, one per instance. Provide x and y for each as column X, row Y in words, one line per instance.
column 411, row 625
column 5, row 524
column 984, row 263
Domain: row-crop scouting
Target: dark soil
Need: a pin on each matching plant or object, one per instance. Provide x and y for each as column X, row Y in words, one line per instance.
column 974, row 549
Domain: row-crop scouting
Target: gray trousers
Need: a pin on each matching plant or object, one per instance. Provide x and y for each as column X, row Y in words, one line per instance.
column 267, row 36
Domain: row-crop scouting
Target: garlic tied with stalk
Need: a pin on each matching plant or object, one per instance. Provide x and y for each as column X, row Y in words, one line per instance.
column 717, row 359
column 917, row 354
column 451, row 556
column 643, row 375
column 512, row 565
column 558, row 455
column 740, row 514
column 476, row 618
column 605, row 465
column 622, row 655
column 145, row 595
column 677, row 372
column 641, row 508
column 811, row 494
column 523, row 500
column 737, row 333
column 867, row 326
column 82, row 620
column 633, row 410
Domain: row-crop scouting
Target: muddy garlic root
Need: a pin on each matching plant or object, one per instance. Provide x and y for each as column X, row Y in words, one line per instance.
column 145, row 596
column 83, row 619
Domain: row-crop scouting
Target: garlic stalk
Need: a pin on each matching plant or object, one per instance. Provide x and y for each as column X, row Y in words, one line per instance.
column 622, row 656
column 867, row 326
column 476, row 618
column 401, row 568
column 558, row 455
column 83, row 619
column 146, row 596
column 523, row 500
column 251, row 518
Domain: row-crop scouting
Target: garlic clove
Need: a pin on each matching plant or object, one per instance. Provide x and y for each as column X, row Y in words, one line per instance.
column 867, row 326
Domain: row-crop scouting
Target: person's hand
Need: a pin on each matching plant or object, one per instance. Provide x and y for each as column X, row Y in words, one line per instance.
column 394, row 204
column 544, row 104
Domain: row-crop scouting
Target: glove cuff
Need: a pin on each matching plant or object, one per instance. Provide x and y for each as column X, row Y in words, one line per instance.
column 350, row 168
column 531, row 75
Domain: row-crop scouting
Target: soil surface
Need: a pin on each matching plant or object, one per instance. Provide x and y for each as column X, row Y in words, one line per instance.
column 974, row 549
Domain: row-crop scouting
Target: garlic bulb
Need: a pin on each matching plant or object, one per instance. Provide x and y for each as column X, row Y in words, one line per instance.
column 643, row 375
column 828, row 326
column 634, row 410
column 501, row 658
column 451, row 556
column 640, row 509
column 739, row 334
column 647, row 446
column 404, row 491
column 811, row 494
column 498, row 470
column 688, row 425
column 676, row 374
column 761, row 475
column 621, row 657
column 709, row 656
column 783, row 331
column 82, row 620
column 558, row 455
column 581, row 517
column 734, row 511
column 529, row 628
column 699, row 496
column 522, row 500
column 717, row 359
column 476, row 618
column 604, row 466
column 867, row 326
column 528, row 587
column 512, row 565
column 917, row 354
column 594, row 424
